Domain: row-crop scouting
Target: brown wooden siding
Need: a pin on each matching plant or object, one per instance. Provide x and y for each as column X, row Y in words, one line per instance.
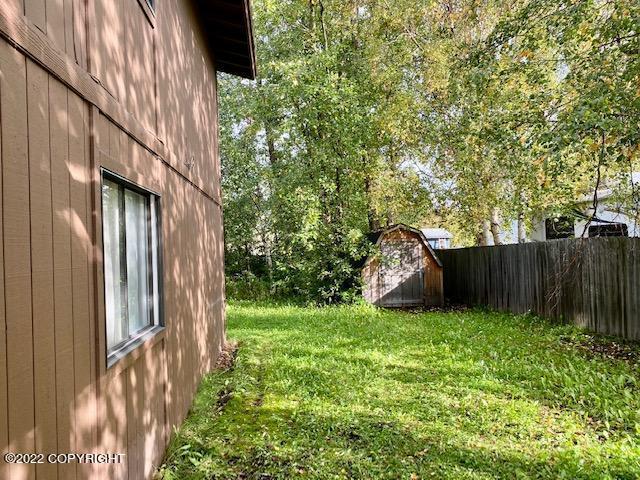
column 189, row 131
column 42, row 258
column 107, row 86
column 4, row 405
column 433, row 283
column 17, row 254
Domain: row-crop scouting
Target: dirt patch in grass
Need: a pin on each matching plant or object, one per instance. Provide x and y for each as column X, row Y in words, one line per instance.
column 227, row 358
column 224, row 396
column 607, row 347
column 446, row 308
column 226, row 363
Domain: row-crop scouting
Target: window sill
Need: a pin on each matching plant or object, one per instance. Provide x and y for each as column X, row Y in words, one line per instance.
column 129, row 352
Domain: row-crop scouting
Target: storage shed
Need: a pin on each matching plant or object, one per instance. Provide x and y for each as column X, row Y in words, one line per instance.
column 404, row 271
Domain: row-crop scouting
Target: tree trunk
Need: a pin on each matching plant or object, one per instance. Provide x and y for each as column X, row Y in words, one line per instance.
column 522, row 231
column 354, row 26
column 267, row 254
column 266, row 241
column 247, row 256
column 339, row 207
column 495, row 226
column 374, row 222
column 484, row 237
column 271, row 147
column 325, row 38
column 390, row 219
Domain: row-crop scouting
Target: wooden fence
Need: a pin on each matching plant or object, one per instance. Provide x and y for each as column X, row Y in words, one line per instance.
column 593, row 283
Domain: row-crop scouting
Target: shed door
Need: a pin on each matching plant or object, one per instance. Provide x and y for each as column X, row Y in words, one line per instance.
column 401, row 273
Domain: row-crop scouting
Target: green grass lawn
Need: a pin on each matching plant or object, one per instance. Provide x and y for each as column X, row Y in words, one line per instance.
column 352, row 392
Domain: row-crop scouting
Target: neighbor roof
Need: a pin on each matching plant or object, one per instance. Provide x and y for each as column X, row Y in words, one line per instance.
column 432, row 233
column 606, row 191
column 227, row 24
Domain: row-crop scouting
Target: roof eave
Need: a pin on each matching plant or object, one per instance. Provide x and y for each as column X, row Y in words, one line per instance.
column 228, row 27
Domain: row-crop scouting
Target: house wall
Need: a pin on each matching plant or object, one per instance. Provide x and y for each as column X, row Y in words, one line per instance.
column 538, row 231
column 439, row 243
column 605, row 212
column 84, row 85
column 582, row 226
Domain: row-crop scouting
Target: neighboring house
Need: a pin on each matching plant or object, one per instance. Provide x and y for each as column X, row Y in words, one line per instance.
column 438, row 237
column 404, row 272
column 112, row 282
column 610, row 219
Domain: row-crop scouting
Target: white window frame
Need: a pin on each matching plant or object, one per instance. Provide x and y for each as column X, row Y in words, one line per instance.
column 154, row 267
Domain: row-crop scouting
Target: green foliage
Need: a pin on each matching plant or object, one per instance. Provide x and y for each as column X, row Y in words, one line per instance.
column 247, row 287
column 371, row 112
column 545, row 108
column 355, row 392
column 315, row 151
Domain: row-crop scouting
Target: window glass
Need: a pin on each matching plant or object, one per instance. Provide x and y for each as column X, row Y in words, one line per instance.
column 130, row 236
column 116, row 327
column 137, row 260
column 609, row 230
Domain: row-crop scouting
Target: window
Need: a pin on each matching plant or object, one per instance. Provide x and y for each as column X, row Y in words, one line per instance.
column 559, row 227
column 131, row 264
column 149, row 9
column 609, row 230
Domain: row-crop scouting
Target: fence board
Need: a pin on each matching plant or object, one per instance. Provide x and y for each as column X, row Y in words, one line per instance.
column 593, row 283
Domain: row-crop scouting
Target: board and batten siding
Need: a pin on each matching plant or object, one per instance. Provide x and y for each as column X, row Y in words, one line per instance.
column 85, row 85
column 593, row 283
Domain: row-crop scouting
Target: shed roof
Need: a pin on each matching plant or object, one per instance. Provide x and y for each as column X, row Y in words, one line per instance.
column 227, row 25
column 376, row 237
column 431, row 233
